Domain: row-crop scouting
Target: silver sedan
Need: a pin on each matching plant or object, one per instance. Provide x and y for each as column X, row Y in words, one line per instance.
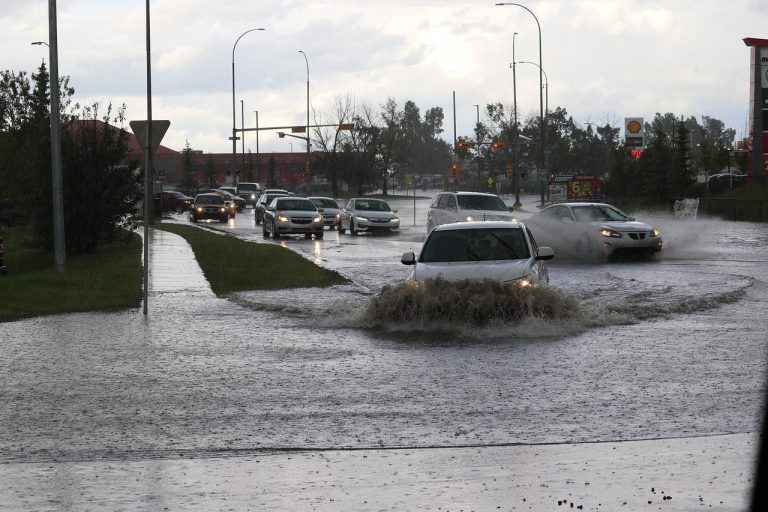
column 363, row 214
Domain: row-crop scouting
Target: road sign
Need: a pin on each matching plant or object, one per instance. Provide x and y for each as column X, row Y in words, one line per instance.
column 298, row 129
column 140, row 129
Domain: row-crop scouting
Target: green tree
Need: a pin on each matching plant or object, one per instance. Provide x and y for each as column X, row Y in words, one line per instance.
column 187, row 181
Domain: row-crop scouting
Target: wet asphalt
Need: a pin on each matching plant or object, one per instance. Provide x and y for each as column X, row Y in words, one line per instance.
column 284, row 401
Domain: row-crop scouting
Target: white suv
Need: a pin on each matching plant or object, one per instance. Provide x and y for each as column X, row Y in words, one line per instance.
column 449, row 207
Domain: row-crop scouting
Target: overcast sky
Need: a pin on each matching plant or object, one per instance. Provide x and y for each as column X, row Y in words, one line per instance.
column 605, row 59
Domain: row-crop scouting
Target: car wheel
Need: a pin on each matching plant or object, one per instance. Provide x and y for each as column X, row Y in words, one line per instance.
column 307, row 236
column 319, row 236
column 352, row 228
column 257, row 218
column 193, row 219
column 340, row 228
column 275, row 234
column 179, row 210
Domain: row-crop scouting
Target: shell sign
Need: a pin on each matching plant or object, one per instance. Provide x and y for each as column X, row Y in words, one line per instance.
column 634, row 132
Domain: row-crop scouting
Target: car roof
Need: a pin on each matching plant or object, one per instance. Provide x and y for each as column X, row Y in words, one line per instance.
column 293, row 198
column 468, row 193
column 320, row 197
column 480, row 224
column 579, row 203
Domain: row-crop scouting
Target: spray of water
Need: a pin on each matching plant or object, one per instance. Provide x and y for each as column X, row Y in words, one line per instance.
column 438, row 303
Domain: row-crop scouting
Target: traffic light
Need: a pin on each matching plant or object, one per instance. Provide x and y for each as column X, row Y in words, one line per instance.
column 497, row 145
column 455, row 171
column 636, row 153
column 463, row 144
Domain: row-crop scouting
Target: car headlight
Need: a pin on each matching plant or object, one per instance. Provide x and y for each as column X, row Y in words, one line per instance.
column 361, row 219
column 609, row 233
column 253, row 197
column 469, row 218
column 282, row 218
column 199, row 208
column 319, row 218
column 522, row 282
column 222, row 210
column 395, row 220
column 655, row 233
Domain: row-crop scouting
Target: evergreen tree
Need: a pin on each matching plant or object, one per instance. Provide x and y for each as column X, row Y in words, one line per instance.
column 187, row 181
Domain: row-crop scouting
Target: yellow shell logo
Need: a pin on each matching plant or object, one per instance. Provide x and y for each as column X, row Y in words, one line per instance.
column 634, row 126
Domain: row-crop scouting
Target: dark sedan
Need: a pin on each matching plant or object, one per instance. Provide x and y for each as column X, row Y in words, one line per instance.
column 263, row 202
column 209, row 206
column 175, row 201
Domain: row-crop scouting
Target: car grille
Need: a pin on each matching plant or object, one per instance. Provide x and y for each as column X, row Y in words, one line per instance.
column 379, row 221
column 300, row 220
column 637, row 236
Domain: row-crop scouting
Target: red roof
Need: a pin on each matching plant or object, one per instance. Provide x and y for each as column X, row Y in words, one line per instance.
column 753, row 41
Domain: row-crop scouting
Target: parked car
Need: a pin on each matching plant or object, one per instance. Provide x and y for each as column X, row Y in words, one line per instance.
column 449, row 207
column 174, row 201
column 291, row 215
column 720, row 182
column 329, row 208
column 593, row 231
column 364, row 214
column 209, row 206
column 250, row 191
column 498, row 250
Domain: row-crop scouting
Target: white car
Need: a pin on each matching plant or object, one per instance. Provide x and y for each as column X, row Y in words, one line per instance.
column 448, row 207
column 593, row 231
column 502, row 251
column 364, row 214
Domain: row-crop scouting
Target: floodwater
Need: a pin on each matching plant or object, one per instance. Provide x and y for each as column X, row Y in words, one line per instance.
column 668, row 349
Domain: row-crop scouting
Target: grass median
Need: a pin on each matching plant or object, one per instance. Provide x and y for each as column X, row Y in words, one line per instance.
column 108, row 279
column 232, row 265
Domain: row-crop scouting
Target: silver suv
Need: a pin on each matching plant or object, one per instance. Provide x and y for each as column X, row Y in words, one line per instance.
column 449, row 207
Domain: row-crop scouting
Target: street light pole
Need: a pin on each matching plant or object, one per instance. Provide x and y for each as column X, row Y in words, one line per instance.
column 546, row 87
column 242, row 135
column 59, row 239
column 541, row 89
column 258, row 166
column 234, row 122
column 306, row 61
column 517, row 204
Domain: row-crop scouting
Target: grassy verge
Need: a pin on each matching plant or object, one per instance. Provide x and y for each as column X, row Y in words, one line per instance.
column 231, row 264
column 106, row 280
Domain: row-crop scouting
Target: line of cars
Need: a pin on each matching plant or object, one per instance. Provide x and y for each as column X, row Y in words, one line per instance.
column 475, row 236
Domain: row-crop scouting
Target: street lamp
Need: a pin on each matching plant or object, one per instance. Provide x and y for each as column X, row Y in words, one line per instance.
column 541, row 86
column 546, row 86
column 517, row 204
column 306, row 61
column 234, row 122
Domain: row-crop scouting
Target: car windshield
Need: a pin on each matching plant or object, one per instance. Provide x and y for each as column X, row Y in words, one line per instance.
column 247, row 186
column 304, row 205
column 592, row 213
column 325, row 203
column 473, row 202
column 371, row 205
column 475, row 245
column 209, row 199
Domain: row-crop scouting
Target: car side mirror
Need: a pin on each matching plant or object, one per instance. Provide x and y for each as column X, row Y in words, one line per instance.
column 321, row 210
column 545, row 253
column 408, row 258
column 394, row 211
column 511, row 208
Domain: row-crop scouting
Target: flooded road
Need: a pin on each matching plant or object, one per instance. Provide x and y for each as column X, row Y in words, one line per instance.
column 669, row 348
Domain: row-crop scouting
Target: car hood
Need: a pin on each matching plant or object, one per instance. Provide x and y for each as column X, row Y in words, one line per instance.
column 486, row 215
column 376, row 215
column 455, row 271
column 297, row 213
column 623, row 227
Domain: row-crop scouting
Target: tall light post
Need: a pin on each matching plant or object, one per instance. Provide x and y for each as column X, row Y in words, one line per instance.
column 517, row 204
column 541, row 88
column 258, row 166
column 546, row 87
column 59, row 239
column 234, row 122
column 306, row 61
